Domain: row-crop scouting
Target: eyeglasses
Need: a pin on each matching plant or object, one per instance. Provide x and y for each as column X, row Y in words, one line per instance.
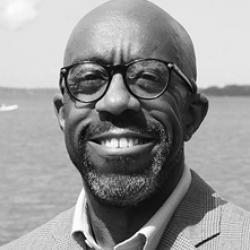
column 88, row 81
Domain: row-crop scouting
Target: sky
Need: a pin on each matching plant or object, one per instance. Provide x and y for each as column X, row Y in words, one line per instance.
column 34, row 33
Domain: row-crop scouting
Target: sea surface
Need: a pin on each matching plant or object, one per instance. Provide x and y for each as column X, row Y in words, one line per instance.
column 38, row 181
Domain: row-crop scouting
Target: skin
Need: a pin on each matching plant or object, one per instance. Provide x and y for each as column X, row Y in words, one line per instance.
column 116, row 33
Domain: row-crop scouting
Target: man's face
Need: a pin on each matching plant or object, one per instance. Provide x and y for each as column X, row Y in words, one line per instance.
column 125, row 148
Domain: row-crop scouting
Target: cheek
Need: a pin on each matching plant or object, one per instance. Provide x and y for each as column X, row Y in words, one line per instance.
column 76, row 114
column 168, row 114
column 77, row 117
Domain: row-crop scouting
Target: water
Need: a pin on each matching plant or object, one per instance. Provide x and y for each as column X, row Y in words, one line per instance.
column 38, row 181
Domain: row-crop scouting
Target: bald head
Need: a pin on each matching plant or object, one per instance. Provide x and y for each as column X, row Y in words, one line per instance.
column 122, row 30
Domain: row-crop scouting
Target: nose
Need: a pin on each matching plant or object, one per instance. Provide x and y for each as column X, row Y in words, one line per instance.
column 117, row 98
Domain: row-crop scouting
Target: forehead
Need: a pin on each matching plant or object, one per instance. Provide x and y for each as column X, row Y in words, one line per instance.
column 119, row 39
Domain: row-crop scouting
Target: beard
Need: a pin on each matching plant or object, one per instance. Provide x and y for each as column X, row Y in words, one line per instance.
column 121, row 188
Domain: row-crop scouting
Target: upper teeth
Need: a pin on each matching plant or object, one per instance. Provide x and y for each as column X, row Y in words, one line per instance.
column 120, row 142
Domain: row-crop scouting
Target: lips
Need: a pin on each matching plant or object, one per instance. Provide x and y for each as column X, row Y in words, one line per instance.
column 121, row 150
column 120, row 141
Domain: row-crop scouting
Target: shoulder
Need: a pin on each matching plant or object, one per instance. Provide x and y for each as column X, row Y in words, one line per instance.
column 206, row 221
column 230, row 223
column 233, row 214
column 235, row 221
column 230, row 214
column 43, row 237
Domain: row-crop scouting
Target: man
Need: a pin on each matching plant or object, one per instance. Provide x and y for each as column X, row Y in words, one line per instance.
column 129, row 102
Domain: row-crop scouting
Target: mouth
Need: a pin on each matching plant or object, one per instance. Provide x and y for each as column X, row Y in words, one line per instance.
column 118, row 142
column 122, row 142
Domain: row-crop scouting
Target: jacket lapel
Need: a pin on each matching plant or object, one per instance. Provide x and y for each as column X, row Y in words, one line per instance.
column 196, row 220
column 62, row 233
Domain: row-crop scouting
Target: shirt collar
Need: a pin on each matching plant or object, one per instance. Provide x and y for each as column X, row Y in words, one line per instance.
column 150, row 234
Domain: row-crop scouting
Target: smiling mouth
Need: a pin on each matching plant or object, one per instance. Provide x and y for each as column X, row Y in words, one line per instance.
column 120, row 139
column 119, row 143
column 122, row 142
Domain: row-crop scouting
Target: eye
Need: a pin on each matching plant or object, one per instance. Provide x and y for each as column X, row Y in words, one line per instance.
column 150, row 76
column 87, row 82
column 148, row 85
column 147, row 75
column 87, row 76
column 146, row 79
column 92, row 76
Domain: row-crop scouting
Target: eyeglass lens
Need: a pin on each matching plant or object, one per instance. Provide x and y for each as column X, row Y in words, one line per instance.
column 88, row 81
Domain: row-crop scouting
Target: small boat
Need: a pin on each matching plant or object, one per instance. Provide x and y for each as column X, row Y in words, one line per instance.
column 4, row 107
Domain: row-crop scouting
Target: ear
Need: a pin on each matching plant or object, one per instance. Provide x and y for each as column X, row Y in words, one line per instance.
column 58, row 107
column 194, row 115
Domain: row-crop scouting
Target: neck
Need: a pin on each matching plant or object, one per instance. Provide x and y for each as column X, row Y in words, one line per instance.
column 112, row 225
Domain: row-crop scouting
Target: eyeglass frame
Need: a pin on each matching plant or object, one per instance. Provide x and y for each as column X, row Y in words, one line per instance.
column 122, row 68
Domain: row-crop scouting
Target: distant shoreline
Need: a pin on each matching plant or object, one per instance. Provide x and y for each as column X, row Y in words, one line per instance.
column 229, row 90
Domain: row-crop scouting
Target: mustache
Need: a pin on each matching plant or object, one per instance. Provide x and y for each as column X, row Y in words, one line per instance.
column 151, row 129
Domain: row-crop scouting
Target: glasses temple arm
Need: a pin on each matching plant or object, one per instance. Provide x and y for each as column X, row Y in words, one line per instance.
column 191, row 84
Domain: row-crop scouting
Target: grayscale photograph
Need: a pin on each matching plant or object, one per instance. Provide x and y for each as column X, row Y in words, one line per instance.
column 124, row 125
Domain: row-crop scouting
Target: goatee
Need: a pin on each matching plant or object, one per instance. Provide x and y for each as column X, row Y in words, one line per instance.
column 121, row 188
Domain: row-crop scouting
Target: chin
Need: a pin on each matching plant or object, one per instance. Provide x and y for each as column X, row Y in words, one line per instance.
column 121, row 190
